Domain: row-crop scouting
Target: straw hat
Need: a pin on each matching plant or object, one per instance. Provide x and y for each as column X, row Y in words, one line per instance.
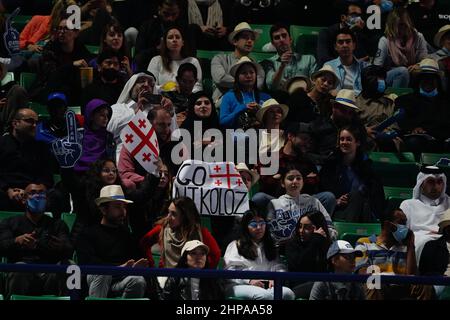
column 296, row 83
column 347, row 98
column 440, row 34
column 326, row 69
column 111, row 193
column 429, row 66
column 243, row 167
column 243, row 26
column 242, row 61
column 269, row 104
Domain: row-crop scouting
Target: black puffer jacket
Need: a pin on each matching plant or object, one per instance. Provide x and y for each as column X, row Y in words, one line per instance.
column 180, row 289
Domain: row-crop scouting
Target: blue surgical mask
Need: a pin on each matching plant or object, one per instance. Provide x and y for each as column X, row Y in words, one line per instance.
column 401, row 232
column 430, row 94
column 381, row 86
column 386, row 6
column 37, row 204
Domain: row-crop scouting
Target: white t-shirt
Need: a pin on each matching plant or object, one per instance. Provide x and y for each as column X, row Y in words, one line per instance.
column 163, row 76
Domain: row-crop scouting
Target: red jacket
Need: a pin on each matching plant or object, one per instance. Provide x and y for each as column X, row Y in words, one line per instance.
column 152, row 237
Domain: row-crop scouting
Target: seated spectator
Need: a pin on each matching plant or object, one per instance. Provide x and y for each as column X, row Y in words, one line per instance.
column 426, row 207
column 201, row 111
column 22, row 159
column 442, row 41
column 375, row 106
column 186, row 80
column 132, row 98
column 349, row 175
column 400, row 49
column 346, row 66
column 59, row 66
column 435, row 257
column 350, row 18
column 239, row 106
column 181, row 225
column 12, row 98
column 391, row 253
column 193, row 256
column 286, row 63
column 425, row 126
column 148, row 42
column 255, row 251
column 305, row 106
column 270, row 116
column 112, row 39
column 97, row 142
column 38, row 30
column 108, row 81
column 34, row 238
column 174, row 52
column 243, row 39
column 285, row 211
column 341, row 258
column 324, row 128
column 306, row 250
column 211, row 22
column 111, row 243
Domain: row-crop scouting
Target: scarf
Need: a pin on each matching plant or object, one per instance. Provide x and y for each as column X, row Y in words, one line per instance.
column 172, row 245
column 403, row 55
column 215, row 17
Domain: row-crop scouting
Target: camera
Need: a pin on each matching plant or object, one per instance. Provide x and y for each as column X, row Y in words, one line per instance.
column 152, row 98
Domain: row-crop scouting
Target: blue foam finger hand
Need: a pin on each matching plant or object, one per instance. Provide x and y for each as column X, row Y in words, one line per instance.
column 72, row 131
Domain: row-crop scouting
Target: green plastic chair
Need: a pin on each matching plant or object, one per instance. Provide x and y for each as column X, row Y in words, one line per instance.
column 93, row 49
column 21, row 297
column 8, row 214
column 296, row 30
column 402, row 174
column 260, row 56
column 263, row 38
column 445, row 295
column 306, row 44
column 391, row 157
column 76, row 109
column 352, row 238
column 433, row 158
column 361, row 229
column 69, row 219
column 208, row 54
column 396, row 192
column 399, row 91
column 20, row 21
column 27, row 79
column 205, row 221
column 8, row 78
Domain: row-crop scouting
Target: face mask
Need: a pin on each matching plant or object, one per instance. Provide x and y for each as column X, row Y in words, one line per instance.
column 37, row 204
column 401, row 232
column 110, row 74
column 381, row 86
column 386, row 6
column 430, row 94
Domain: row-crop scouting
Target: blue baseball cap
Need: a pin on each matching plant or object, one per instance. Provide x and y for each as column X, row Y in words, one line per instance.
column 57, row 95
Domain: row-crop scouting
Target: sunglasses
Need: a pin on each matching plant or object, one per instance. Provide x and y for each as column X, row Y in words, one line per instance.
column 256, row 224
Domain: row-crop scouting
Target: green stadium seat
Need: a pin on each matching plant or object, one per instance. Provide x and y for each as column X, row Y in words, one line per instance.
column 205, row 221
column 69, row 219
column 396, row 192
column 8, row 78
column 208, row 54
column 76, row 109
column 8, row 214
column 93, row 49
column 433, row 158
column 305, row 38
column 361, row 229
column 391, row 157
column 263, row 38
column 22, row 297
column 399, row 91
column 20, row 21
column 27, row 79
column 402, row 174
column 352, row 238
column 260, row 56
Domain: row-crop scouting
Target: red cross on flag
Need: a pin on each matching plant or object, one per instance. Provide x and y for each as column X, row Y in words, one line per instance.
column 139, row 138
column 225, row 174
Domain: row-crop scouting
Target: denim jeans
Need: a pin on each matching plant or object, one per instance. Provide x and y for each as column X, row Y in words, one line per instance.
column 398, row 77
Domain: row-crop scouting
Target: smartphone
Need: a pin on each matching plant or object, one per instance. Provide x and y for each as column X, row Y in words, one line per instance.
column 152, row 98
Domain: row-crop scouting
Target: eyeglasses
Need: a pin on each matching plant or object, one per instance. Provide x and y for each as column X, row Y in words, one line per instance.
column 108, row 170
column 61, row 29
column 29, row 120
column 256, row 224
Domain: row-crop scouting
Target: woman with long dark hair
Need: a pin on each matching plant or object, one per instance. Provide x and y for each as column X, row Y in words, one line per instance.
column 254, row 250
column 174, row 52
